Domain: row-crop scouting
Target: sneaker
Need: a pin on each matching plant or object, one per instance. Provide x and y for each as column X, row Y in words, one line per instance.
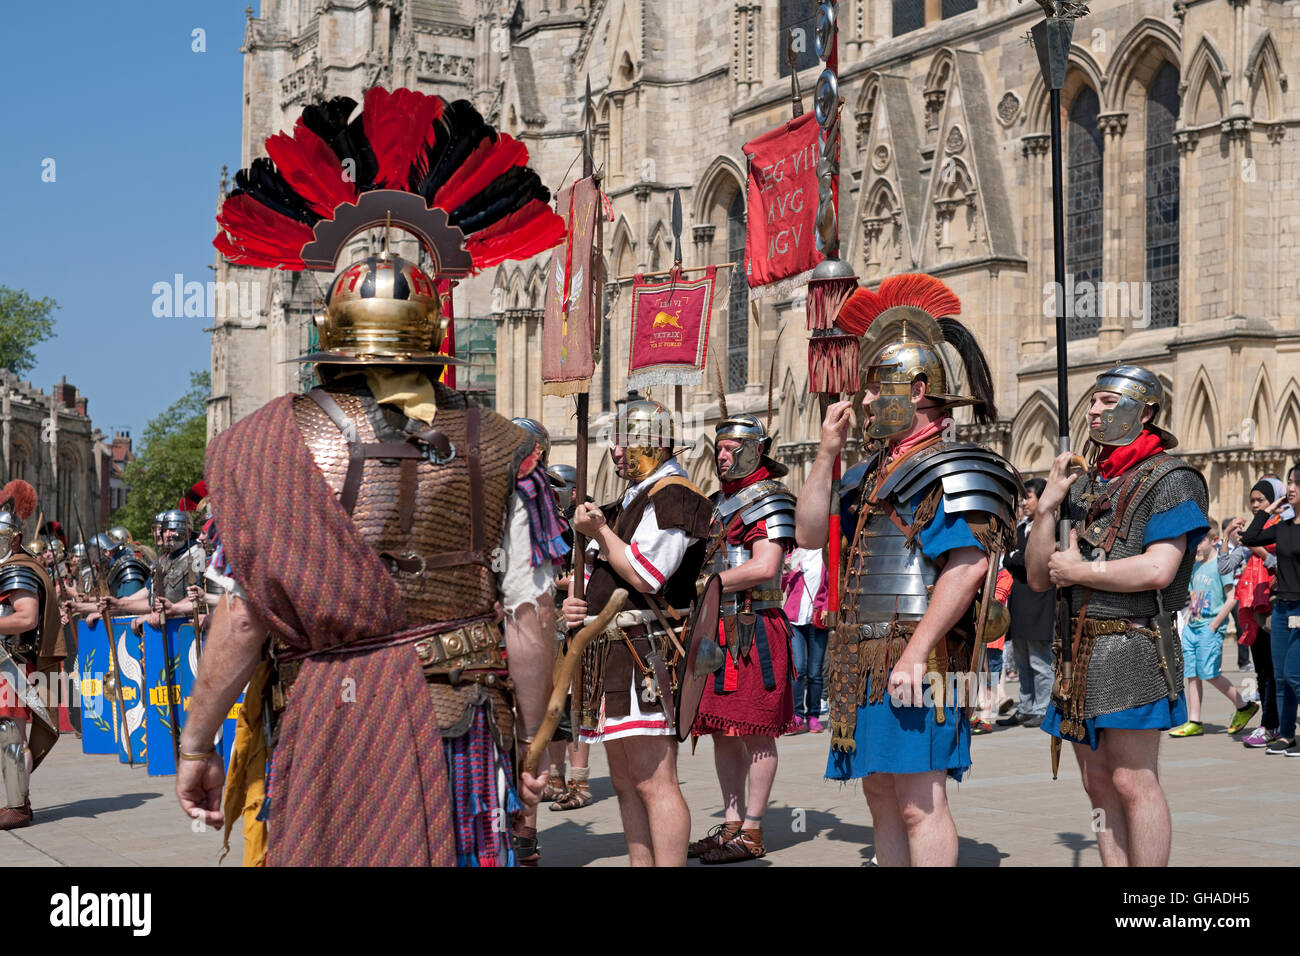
column 1033, row 720
column 800, row 726
column 1192, row 728
column 1259, row 737
column 978, row 727
column 1293, row 750
column 1242, row 717
column 1015, row 720
column 826, row 708
column 1006, row 706
column 815, row 726
column 1280, row 745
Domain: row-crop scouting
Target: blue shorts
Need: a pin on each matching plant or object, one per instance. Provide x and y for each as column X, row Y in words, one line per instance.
column 903, row 740
column 1157, row 715
column 1202, row 652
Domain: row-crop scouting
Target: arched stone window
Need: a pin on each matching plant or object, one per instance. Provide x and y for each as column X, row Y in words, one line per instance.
column 1083, row 213
column 1162, row 198
column 737, row 299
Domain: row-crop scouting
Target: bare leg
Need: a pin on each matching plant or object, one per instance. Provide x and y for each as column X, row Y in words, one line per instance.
column 1132, row 758
column 555, row 753
column 636, row 823
column 731, row 761
column 1194, row 699
column 653, row 761
column 762, row 773
column 580, row 755
column 931, row 832
column 1108, row 819
column 886, row 820
column 530, row 648
column 1228, row 690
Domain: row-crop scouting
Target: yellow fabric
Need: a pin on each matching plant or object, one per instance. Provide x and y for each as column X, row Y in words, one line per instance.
column 410, row 391
column 246, row 780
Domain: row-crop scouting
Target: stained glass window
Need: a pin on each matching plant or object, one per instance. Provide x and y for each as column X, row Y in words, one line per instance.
column 1162, row 198
column 1083, row 206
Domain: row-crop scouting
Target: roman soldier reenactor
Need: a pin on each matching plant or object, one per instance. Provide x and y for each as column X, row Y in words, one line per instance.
column 749, row 701
column 928, row 523
column 382, row 529
column 1137, row 515
column 31, row 642
column 650, row 541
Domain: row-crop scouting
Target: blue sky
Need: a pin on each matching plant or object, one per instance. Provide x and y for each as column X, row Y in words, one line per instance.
column 138, row 125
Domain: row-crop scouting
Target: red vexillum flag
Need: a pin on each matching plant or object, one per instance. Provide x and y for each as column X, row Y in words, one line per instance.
column 670, row 330
column 782, row 202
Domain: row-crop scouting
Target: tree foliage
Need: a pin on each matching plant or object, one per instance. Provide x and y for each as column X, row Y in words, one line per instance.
column 24, row 324
column 169, row 461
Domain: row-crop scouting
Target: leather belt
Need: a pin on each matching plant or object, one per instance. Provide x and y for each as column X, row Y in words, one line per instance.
column 442, row 650
column 626, row 619
column 1114, row 625
column 878, row 631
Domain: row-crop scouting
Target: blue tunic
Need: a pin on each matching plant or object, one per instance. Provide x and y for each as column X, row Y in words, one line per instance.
column 893, row 739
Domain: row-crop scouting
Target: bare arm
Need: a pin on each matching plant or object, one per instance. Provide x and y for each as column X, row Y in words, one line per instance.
column 1153, row 569
column 26, row 608
column 230, row 655
column 958, row 584
column 759, row 569
column 1042, row 537
column 812, row 509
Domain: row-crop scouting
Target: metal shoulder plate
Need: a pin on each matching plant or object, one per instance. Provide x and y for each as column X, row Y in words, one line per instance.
column 129, row 568
column 974, row 479
column 777, row 509
column 747, row 497
column 19, row 578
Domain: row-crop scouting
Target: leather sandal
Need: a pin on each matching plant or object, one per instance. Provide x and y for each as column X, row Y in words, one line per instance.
column 554, row 791
column 745, row 845
column 575, row 798
column 719, row 835
column 527, row 851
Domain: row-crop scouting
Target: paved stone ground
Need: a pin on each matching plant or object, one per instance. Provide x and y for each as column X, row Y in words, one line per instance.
column 1231, row 807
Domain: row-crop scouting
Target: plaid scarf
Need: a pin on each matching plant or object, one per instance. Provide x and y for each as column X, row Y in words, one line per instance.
column 543, row 518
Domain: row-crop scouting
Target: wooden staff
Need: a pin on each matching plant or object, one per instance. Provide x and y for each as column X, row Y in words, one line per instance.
column 555, row 706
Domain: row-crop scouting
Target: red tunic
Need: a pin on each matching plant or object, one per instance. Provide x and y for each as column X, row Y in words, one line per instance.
column 745, row 705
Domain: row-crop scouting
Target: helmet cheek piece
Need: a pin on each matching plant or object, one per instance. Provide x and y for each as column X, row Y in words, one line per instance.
column 893, row 413
column 1120, row 425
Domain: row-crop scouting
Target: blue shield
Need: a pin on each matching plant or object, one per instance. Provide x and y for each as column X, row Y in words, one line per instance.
column 226, row 746
column 162, row 713
column 128, row 655
column 98, row 712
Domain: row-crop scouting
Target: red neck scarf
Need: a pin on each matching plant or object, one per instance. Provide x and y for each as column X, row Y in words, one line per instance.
column 1121, row 459
column 758, row 474
column 907, row 444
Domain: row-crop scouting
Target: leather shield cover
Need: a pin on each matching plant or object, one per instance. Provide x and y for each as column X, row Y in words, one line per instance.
column 702, row 627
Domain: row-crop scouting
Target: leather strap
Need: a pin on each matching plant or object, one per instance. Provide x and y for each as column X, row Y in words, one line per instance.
column 472, row 431
column 406, row 483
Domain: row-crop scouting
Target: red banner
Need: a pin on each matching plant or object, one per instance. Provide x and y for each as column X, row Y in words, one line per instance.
column 670, row 330
column 572, row 289
column 782, row 203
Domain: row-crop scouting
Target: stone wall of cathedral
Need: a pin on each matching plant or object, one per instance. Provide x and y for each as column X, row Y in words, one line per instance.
column 1182, row 194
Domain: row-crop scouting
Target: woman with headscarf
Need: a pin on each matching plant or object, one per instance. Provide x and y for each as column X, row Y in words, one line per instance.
column 1284, row 636
column 1253, row 610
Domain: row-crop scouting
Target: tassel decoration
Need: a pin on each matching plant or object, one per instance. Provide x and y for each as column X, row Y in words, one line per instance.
column 825, row 299
column 833, row 364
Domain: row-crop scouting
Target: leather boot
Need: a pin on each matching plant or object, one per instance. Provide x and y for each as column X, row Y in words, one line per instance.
column 12, row 818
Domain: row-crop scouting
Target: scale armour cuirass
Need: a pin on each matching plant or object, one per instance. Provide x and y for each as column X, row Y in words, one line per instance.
column 442, row 521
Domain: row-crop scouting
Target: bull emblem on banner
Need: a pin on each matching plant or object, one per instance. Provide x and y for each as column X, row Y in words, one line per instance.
column 667, row 319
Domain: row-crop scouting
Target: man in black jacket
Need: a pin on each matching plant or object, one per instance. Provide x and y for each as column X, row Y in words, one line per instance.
column 1033, row 621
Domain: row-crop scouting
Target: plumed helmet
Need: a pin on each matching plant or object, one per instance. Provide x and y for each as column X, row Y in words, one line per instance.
column 644, row 429
column 381, row 309
column 17, row 502
column 538, row 431
column 754, row 445
column 1138, row 389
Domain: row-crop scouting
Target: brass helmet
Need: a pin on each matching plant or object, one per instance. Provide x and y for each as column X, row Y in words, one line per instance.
column 38, row 547
column 644, row 430
column 381, row 309
column 754, row 445
column 119, row 534
column 906, row 347
column 1138, row 389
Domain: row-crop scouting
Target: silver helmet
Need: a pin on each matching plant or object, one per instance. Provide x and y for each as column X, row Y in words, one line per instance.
column 564, row 479
column 10, row 527
column 1138, row 389
column 538, row 431
column 178, row 521
column 79, row 551
column 754, row 444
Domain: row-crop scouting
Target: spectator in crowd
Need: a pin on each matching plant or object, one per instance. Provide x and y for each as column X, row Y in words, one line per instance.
column 1033, row 623
column 1208, row 606
column 1254, row 608
column 1232, row 558
column 806, row 586
column 1285, row 632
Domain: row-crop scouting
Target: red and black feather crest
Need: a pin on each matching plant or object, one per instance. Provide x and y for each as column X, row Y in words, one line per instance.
column 19, row 497
column 401, row 140
column 916, row 289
